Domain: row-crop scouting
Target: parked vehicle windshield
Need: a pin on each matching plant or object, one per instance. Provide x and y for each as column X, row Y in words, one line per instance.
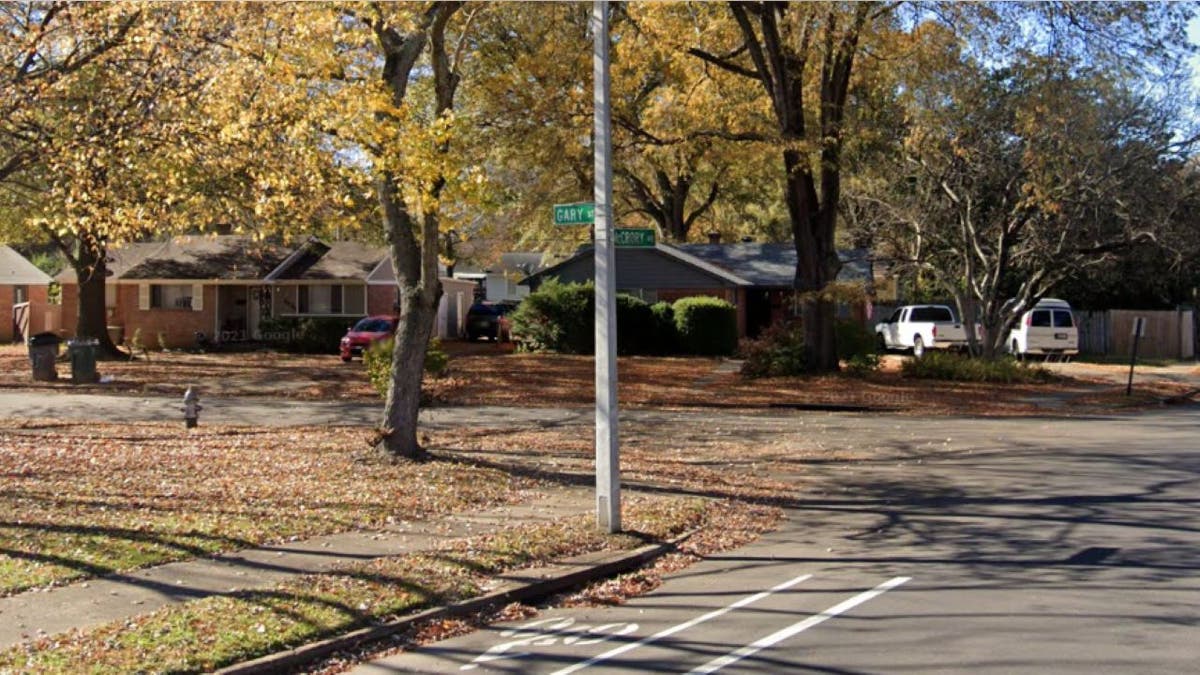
column 370, row 325
column 934, row 314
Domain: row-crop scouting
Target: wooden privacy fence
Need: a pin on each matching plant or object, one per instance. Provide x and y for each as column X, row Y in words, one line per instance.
column 1093, row 332
column 1169, row 334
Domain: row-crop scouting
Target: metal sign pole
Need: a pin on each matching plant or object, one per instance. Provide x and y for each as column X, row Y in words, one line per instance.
column 1139, row 329
column 608, row 479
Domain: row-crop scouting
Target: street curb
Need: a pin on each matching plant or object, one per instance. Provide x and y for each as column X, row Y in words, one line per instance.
column 565, row 574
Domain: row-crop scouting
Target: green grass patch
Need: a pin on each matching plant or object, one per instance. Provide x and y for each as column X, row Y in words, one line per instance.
column 217, row 631
column 937, row 365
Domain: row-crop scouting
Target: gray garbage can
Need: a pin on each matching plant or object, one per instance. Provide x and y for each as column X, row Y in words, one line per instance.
column 83, row 360
column 43, row 354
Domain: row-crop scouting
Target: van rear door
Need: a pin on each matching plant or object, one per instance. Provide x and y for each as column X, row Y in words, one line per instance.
column 1039, row 330
column 1051, row 330
column 1066, row 334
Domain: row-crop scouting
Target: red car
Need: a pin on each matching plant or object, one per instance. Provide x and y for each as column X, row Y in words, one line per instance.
column 367, row 331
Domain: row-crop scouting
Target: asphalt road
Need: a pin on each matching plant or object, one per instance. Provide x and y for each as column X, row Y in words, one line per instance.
column 988, row 546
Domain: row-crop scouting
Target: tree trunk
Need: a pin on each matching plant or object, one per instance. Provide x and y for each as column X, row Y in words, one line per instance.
column 90, row 271
column 812, row 266
column 415, row 266
column 414, row 261
column 398, row 437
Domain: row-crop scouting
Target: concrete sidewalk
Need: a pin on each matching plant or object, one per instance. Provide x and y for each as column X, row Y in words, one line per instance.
column 95, row 602
column 258, row 411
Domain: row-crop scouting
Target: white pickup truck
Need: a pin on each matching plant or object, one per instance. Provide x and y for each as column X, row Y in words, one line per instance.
column 921, row 327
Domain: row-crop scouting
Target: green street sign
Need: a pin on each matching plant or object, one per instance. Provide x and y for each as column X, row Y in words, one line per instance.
column 634, row 237
column 583, row 213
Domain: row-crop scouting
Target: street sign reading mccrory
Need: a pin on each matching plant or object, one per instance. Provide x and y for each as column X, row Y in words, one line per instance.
column 583, row 213
column 633, row 237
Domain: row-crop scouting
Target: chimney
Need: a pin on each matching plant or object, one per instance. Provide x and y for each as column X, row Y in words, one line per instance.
column 714, row 237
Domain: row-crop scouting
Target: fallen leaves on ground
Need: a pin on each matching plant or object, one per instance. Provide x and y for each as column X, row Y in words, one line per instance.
column 487, row 374
column 208, row 633
column 85, row 499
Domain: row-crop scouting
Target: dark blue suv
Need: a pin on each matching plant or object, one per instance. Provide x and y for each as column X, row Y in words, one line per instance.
column 490, row 320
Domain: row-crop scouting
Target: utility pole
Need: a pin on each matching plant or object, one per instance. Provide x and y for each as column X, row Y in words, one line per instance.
column 608, row 476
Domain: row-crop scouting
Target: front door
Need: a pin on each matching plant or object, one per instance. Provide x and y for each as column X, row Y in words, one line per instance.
column 233, row 314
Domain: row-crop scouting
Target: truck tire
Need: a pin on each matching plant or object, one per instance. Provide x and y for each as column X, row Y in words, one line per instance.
column 918, row 347
column 1016, row 351
column 881, row 343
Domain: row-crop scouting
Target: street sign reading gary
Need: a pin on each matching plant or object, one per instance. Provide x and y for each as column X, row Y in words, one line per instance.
column 633, row 237
column 583, row 213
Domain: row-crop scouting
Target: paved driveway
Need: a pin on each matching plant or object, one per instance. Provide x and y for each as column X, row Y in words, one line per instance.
column 1187, row 374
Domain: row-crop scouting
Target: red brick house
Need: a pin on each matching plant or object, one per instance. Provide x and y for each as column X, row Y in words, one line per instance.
column 224, row 286
column 24, row 293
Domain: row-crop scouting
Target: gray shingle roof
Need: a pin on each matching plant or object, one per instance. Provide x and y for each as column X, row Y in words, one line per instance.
column 341, row 260
column 740, row 264
column 120, row 259
column 200, row 257
column 17, row 271
column 771, row 265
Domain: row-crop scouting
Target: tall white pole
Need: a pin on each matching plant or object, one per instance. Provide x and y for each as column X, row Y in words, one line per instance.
column 608, row 476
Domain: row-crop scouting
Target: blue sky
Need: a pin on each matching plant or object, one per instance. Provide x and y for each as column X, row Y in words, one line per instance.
column 1194, row 38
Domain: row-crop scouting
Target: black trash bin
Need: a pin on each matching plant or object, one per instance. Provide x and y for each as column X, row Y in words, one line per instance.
column 43, row 354
column 83, row 359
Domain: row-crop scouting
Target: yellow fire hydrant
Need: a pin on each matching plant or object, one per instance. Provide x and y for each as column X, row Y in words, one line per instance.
column 191, row 408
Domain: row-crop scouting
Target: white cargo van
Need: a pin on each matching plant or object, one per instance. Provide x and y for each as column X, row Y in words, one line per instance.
column 1047, row 329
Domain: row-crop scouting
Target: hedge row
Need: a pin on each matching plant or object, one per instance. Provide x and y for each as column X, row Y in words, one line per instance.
column 560, row 318
column 308, row 335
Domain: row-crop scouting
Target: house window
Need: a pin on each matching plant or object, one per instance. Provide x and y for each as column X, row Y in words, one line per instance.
column 110, row 295
column 354, row 300
column 171, row 296
column 320, row 299
column 20, row 294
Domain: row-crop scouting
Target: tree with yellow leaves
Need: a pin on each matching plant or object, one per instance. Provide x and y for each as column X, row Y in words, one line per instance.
column 127, row 121
column 374, row 84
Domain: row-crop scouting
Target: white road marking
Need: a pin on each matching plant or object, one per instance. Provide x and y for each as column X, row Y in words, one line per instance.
column 546, row 632
column 683, row 626
column 781, row 635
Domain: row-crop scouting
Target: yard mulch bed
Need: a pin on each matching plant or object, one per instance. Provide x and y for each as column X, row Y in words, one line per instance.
column 487, row 374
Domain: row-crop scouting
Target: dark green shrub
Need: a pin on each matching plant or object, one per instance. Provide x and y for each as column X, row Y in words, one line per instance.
column 557, row 317
column 378, row 362
column 941, row 365
column 707, row 326
column 308, row 335
column 862, row 364
column 778, row 352
column 321, row 335
column 857, row 346
column 854, row 339
column 560, row 317
column 666, row 338
column 277, row 332
column 635, row 326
